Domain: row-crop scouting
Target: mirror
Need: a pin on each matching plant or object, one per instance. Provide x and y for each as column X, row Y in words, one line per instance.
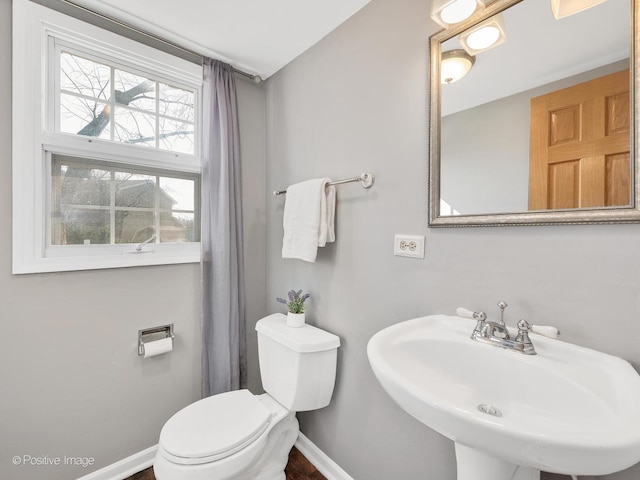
column 513, row 143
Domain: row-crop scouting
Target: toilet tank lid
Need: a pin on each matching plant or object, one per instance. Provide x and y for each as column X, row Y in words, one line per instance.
column 302, row 339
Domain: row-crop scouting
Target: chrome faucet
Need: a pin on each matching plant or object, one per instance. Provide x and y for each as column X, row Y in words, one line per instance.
column 497, row 333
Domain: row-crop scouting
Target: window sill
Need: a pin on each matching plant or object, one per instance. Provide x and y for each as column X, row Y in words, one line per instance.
column 120, row 259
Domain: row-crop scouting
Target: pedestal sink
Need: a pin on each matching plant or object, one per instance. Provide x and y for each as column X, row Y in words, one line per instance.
column 567, row 410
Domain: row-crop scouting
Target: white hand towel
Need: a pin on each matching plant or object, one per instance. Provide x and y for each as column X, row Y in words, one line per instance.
column 331, row 213
column 305, row 219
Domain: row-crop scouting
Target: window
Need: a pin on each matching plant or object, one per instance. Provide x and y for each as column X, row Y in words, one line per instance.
column 106, row 102
column 102, row 204
column 106, row 148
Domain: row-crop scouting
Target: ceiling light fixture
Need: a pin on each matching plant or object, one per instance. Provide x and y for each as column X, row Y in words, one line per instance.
column 485, row 35
column 564, row 8
column 454, row 65
column 450, row 12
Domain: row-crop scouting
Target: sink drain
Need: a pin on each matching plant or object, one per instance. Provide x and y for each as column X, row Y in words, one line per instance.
column 489, row 410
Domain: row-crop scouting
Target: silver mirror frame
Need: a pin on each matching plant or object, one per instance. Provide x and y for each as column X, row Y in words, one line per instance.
column 604, row 215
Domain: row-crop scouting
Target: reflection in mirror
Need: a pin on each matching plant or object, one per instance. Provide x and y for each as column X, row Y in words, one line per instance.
column 540, row 130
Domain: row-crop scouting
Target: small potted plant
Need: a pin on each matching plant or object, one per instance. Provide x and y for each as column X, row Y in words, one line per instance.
column 296, row 306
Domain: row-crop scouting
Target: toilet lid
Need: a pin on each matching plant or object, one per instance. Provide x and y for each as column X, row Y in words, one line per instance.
column 215, row 427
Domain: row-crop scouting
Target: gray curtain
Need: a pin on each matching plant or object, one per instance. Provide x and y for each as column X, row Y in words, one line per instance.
column 223, row 295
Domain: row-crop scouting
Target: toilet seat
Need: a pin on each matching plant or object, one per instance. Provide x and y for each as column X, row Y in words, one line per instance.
column 214, row 428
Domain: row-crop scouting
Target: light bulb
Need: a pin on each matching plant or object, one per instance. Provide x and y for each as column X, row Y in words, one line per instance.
column 483, row 38
column 457, row 11
column 487, row 34
column 454, row 65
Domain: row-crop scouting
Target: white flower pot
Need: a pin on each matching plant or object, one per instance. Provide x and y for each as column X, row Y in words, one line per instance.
column 295, row 320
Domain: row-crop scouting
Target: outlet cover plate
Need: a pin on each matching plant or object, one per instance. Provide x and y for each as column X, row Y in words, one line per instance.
column 409, row 246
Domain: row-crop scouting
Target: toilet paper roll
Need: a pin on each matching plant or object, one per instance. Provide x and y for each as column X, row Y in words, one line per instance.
column 157, row 347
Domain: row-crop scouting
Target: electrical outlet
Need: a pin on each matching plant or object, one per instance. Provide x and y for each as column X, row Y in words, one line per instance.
column 409, row 246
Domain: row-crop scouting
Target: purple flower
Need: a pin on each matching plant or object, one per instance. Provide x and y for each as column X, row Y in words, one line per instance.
column 295, row 304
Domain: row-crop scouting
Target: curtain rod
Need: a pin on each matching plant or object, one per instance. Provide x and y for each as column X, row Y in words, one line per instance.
column 255, row 78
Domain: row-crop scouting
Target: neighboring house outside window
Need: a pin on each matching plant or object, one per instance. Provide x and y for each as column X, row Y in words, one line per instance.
column 106, row 148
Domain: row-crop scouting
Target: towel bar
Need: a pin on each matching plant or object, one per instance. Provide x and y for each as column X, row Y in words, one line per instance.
column 365, row 179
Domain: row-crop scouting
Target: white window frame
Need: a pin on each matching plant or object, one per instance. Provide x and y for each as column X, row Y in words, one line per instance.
column 34, row 139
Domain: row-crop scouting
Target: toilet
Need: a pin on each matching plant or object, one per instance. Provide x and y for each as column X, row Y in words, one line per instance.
column 241, row 436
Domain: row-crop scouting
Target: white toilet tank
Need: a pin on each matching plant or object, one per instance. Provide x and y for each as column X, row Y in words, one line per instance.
column 297, row 365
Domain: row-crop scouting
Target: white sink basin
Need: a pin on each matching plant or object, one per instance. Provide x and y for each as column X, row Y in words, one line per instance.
column 568, row 409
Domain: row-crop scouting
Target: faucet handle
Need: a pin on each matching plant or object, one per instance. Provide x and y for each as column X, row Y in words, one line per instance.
column 523, row 326
column 546, row 330
column 480, row 316
column 523, row 338
column 464, row 312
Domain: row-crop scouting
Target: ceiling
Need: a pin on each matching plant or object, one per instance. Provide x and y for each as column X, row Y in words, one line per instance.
column 262, row 36
column 540, row 50
column 256, row 36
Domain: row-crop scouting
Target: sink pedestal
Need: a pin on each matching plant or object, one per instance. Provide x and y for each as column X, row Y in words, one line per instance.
column 474, row 465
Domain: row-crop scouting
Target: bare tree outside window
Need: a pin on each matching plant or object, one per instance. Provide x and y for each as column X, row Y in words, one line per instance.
column 105, row 204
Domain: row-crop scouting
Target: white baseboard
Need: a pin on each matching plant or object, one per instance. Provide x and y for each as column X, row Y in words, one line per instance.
column 320, row 460
column 125, row 467
column 144, row 459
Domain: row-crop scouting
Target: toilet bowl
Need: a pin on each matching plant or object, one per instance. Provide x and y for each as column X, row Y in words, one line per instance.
column 241, row 436
column 234, row 435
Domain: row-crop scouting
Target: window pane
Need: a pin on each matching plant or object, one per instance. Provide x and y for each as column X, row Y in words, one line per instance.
column 96, row 203
column 84, row 117
column 177, row 227
column 80, row 185
column 84, row 77
column 77, row 226
column 176, row 136
column 133, row 190
column 180, row 190
column 102, row 101
column 177, row 103
column 135, row 127
column 134, row 227
column 134, row 91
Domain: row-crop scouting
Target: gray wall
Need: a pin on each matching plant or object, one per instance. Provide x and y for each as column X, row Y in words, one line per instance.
column 480, row 174
column 251, row 107
column 355, row 102
column 72, row 383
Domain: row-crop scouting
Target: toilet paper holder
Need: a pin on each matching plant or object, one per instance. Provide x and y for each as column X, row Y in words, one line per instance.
column 152, row 334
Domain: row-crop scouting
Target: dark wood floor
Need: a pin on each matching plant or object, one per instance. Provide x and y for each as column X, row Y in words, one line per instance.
column 298, row 468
